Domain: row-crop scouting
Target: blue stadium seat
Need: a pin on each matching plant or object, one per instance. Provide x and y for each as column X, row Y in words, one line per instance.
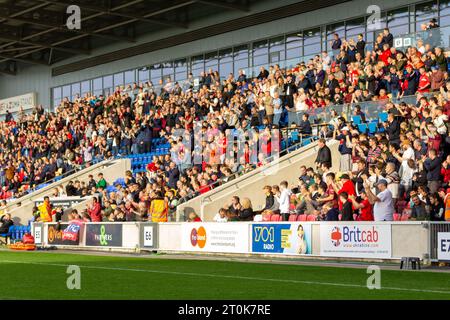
column 383, row 116
column 373, row 126
column 356, row 120
column 362, row 128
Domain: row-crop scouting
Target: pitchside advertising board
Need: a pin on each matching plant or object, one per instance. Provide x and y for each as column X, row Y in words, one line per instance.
column 356, row 240
column 104, row 235
column 149, row 235
column 55, row 235
column 443, row 246
column 215, row 237
column 281, row 238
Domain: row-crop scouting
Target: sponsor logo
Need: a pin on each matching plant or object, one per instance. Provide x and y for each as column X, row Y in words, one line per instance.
column 354, row 235
column 336, row 236
column 198, row 237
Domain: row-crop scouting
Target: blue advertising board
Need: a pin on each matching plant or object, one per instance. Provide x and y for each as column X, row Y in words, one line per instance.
column 281, row 238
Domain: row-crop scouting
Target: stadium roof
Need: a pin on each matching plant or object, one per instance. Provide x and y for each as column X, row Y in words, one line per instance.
column 35, row 31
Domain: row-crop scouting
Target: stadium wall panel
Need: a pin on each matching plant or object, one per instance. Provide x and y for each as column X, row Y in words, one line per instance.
column 39, row 78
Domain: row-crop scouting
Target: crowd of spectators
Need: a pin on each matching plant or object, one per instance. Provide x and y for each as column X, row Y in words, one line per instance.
column 40, row 146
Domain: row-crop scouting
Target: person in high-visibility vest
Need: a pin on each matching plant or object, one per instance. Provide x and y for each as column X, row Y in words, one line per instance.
column 45, row 210
column 159, row 208
column 447, row 205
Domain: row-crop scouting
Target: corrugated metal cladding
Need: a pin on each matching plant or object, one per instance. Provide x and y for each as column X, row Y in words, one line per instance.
column 232, row 25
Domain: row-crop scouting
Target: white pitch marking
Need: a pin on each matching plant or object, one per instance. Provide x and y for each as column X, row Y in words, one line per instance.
column 229, row 277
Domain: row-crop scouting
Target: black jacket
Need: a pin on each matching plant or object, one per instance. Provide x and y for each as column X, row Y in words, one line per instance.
column 324, row 156
column 270, row 200
column 347, row 212
column 433, row 168
column 393, row 131
column 5, row 224
column 246, row 215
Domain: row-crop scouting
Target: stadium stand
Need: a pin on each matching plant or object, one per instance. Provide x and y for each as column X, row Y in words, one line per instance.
column 386, row 110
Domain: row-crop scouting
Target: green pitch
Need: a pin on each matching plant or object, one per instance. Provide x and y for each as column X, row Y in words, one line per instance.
column 43, row 275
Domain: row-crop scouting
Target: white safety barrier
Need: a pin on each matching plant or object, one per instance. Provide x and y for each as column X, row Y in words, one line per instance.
column 347, row 240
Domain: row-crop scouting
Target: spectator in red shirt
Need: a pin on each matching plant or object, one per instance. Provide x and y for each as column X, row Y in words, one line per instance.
column 364, row 207
column 94, row 210
column 347, row 187
column 193, row 217
column 445, row 170
column 424, row 81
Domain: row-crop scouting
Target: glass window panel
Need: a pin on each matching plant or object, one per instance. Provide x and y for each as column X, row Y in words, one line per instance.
column 260, row 48
column 444, row 21
column 338, row 28
column 198, row 62
column 211, row 60
column 66, row 91
column 312, row 49
column 143, row 74
column 97, row 84
column 56, row 102
column 276, row 44
column 129, row 77
column 277, row 48
column 370, row 37
column 180, row 69
column 275, row 57
column 180, row 65
column 155, row 73
column 118, row 79
column 167, row 70
column 260, row 60
column 397, row 17
column 225, row 69
column 294, row 53
column 85, row 87
column 75, row 88
column 108, row 91
column 241, row 64
column 240, row 52
column 226, row 55
column 180, row 76
column 425, row 12
column 311, row 36
column 57, row 92
column 399, row 30
column 108, row 81
column 444, row 7
column 294, row 41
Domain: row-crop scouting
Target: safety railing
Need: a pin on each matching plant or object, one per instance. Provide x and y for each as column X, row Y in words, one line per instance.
column 435, row 228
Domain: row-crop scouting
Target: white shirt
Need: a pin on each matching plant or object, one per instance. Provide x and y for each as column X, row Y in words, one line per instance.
column 218, row 218
column 383, row 210
column 285, row 201
column 439, row 122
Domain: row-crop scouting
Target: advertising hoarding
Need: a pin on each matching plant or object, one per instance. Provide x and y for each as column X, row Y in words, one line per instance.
column 281, row 238
column 356, row 240
column 215, row 237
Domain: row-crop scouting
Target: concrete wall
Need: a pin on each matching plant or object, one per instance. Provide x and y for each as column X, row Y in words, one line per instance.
column 22, row 208
column 250, row 185
column 38, row 78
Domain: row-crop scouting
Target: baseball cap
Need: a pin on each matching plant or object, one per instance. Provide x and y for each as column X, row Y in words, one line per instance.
column 382, row 181
column 345, row 128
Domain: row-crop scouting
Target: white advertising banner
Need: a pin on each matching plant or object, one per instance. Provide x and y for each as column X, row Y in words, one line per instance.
column 148, row 236
column 215, row 237
column 443, row 246
column 25, row 101
column 356, row 240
